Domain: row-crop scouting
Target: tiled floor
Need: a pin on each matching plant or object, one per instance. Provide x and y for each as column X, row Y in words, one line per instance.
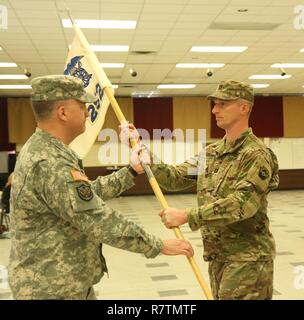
column 132, row 276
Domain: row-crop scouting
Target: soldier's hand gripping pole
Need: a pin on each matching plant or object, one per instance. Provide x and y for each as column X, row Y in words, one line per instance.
column 159, row 195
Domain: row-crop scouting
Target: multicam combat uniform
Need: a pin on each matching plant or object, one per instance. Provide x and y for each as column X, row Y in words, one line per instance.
column 59, row 221
column 231, row 213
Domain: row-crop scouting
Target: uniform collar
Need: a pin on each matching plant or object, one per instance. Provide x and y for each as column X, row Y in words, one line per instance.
column 226, row 147
column 58, row 143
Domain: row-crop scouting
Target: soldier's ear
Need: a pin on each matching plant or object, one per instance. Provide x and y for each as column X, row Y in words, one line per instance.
column 245, row 108
column 61, row 112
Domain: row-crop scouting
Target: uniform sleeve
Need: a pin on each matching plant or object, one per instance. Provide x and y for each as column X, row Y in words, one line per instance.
column 176, row 178
column 252, row 185
column 76, row 202
column 114, row 184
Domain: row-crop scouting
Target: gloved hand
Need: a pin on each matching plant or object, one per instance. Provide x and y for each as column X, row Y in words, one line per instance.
column 139, row 155
column 128, row 132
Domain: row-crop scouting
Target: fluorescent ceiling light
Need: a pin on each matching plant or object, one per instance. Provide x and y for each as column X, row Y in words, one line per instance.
column 100, row 24
column 140, row 94
column 115, row 86
column 7, row 65
column 302, row 50
column 218, row 49
column 112, row 65
column 13, row 76
column 15, row 86
column 176, row 86
column 269, row 76
column 200, row 65
column 260, row 85
column 287, row 65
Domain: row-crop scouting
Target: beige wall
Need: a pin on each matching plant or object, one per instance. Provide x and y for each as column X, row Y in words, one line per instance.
column 192, row 113
column 188, row 113
column 21, row 120
column 293, row 109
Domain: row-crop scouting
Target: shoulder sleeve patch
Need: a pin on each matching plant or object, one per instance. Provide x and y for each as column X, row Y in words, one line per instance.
column 78, row 176
column 263, row 173
column 84, row 192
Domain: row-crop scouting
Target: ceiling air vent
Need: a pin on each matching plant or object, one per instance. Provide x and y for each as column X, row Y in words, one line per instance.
column 243, row 26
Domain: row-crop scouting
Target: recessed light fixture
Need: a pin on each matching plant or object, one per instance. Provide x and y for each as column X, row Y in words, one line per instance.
column 8, row 65
column 287, row 65
column 100, row 24
column 260, row 85
column 13, row 76
column 15, row 86
column 176, row 86
column 200, row 65
column 218, row 49
column 112, row 65
column 302, row 50
column 269, row 76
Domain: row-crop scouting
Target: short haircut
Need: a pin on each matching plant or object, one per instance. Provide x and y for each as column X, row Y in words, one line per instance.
column 250, row 104
column 43, row 109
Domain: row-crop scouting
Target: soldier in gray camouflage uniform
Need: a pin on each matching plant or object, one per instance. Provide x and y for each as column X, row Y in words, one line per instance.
column 232, row 199
column 59, row 219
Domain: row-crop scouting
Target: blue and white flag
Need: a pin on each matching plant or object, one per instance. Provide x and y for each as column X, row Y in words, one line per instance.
column 83, row 63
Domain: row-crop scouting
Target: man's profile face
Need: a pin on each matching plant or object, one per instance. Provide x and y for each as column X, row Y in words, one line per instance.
column 76, row 116
column 227, row 113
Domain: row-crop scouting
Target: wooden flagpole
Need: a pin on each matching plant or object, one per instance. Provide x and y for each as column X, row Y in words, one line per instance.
column 106, row 84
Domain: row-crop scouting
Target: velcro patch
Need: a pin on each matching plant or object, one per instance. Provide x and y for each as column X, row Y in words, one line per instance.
column 263, row 173
column 78, row 176
column 84, row 192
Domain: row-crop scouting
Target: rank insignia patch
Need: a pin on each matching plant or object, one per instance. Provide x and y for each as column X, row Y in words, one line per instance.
column 263, row 173
column 84, row 192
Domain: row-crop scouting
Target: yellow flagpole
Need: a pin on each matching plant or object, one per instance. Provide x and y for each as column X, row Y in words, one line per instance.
column 106, row 84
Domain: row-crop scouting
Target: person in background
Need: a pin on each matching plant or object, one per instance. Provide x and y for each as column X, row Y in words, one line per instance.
column 6, row 194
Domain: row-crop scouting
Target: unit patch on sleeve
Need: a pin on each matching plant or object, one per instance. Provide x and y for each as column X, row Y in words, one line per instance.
column 84, row 192
column 263, row 173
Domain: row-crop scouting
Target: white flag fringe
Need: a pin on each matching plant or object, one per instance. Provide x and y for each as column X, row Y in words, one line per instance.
column 83, row 63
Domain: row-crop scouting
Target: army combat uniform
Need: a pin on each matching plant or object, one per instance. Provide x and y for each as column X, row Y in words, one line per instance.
column 231, row 213
column 59, row 221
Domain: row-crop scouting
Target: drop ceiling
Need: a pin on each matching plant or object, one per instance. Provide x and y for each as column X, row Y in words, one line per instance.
column 36, row 40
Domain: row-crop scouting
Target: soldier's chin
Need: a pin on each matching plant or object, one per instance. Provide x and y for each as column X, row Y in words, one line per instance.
column 220, row 124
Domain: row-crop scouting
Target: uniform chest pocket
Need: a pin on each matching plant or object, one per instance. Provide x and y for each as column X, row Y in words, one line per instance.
column 226, row 180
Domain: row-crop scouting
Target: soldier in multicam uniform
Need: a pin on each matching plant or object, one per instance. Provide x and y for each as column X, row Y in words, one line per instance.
column 232, row 199
column 59, row 219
